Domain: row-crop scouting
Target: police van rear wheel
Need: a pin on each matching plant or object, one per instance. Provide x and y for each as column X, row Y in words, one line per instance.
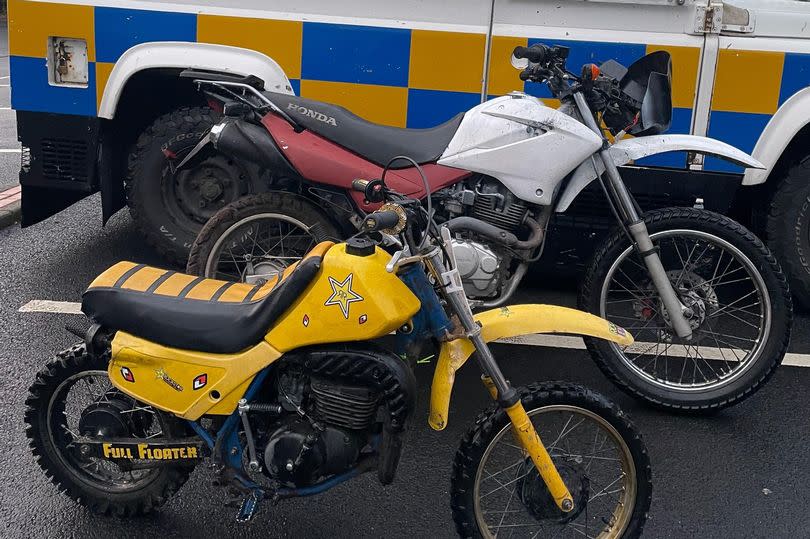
column 73, row 398
column 788, row 228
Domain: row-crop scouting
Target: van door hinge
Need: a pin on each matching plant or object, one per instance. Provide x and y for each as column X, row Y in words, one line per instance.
column 717, row 17
column 708, row 19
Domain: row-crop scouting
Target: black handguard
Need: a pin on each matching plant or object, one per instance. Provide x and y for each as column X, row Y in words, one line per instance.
column 381, row 220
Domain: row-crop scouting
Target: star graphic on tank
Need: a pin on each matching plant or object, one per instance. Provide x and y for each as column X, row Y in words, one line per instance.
column 342, row 294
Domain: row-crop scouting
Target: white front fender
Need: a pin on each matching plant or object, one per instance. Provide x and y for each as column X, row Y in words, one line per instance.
column 632, row 149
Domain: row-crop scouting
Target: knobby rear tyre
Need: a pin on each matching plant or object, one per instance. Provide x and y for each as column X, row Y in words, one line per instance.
column 279, row 203
column 168, row 208
column 138, row 501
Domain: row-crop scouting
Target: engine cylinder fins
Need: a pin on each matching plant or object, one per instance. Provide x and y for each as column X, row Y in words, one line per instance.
column 494, row 204
column 367, row 366
column 348, row 406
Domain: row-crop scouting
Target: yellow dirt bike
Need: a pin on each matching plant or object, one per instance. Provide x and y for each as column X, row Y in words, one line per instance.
column 280, row 385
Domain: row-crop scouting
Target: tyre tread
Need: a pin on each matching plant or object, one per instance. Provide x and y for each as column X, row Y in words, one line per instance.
column 47, row 380
column 590, row 290
column 491, row 420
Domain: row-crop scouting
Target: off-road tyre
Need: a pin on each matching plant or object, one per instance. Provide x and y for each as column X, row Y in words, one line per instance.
column 787, row 228
column 170, row 231
column 278, row 202
column 132, row 503
column 775, row 283
column 490, row 422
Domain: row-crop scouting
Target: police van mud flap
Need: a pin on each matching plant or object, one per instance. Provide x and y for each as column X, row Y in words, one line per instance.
column 137, row 453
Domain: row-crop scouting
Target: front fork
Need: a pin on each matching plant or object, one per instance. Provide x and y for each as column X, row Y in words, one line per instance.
column 638, row 230
column 498, row 386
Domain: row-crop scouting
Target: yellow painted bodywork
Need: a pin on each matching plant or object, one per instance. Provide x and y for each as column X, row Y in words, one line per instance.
column 463, row 74
column 280, row 40
column 506, row 322
column 352, row 298
column 154, row 367
column 734, row 67
column 530, row 441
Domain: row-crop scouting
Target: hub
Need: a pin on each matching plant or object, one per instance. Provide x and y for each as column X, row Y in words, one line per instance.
column 696, row 295
column 534, row 494
column 106, row 419
column 259, row 271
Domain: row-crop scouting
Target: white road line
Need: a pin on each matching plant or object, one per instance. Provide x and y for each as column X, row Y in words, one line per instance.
column 547, row 341
column 563, row 341
column 48, row 306
column 10, row 150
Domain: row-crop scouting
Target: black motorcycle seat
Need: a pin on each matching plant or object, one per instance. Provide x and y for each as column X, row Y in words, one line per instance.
column 193, row 313
column 375, row 142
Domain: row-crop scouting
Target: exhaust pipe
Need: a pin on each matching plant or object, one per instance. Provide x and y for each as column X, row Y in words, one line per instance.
column 242, row 141
column 248, row 142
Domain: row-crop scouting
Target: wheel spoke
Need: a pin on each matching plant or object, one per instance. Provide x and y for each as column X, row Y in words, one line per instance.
column 697, row 263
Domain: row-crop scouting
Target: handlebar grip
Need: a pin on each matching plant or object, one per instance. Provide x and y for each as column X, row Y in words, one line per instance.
column 536, row 54
column 381, row 220
column 360, row 185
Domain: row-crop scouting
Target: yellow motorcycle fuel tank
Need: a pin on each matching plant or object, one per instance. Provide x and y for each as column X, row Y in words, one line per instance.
column 353, row 298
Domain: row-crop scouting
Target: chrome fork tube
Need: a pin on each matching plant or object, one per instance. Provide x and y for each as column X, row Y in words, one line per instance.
column 454, row 292
column 638, row 229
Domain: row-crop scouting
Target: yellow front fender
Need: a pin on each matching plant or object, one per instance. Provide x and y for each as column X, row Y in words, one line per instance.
column 511, row 322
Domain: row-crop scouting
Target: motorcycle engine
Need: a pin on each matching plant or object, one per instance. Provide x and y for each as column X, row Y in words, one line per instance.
column 479, row 268
column 329, row 439
column 496, row 205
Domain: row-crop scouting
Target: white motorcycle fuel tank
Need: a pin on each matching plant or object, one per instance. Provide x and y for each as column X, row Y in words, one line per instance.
column 520, row 141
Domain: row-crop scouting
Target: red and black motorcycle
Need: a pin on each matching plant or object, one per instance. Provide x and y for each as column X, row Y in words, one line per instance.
column 707, row 302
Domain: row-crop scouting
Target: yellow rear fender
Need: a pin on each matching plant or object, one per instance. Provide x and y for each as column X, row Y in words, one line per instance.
column 513, row 321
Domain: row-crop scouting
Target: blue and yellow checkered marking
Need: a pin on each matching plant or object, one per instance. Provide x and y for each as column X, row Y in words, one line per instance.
column 355, row 54
column 387, row 75
column 118, row 30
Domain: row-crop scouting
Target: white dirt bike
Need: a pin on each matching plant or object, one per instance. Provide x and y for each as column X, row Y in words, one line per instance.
column 706, row 300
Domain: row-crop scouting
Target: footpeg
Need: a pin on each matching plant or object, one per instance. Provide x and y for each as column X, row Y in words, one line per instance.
column 249, row 506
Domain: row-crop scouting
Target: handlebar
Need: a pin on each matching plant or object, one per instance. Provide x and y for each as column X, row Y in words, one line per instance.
column 381, row 220
column 536, row 54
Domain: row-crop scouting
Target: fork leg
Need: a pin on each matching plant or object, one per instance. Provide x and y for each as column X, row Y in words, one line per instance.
column 526, row 435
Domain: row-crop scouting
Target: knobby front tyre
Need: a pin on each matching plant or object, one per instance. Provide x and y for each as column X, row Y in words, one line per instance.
column 738, row 306
column 597, row 450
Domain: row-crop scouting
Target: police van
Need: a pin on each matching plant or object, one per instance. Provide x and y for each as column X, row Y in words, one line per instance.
column 102, row 106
